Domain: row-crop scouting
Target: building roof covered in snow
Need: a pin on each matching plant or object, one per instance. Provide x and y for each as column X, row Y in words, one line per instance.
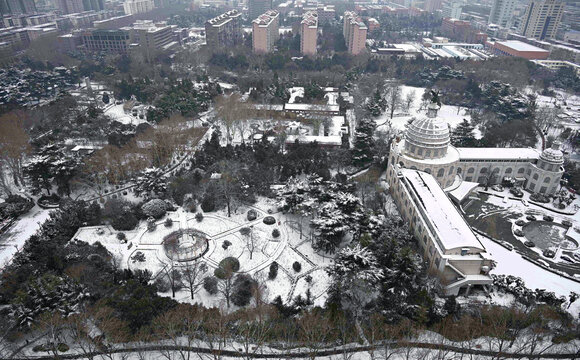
column 500, row 154
column 449, row 227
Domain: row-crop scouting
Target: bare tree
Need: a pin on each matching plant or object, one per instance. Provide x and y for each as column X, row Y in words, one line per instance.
column 314, row 331
column 53, row 325
column 192, row 276
column 14, row 143
column 180, row 326
column 409, row 99
column 251, row 243
column 393, row 97
column 229, row 110
column 226, row 285
column 173, row 275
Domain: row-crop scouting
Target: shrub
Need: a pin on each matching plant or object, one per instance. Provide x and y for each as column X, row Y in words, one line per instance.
column 208, row 203
column 168, row 222
column 138, row 257
column 539, row 198
column 520, row 222
column 242, row 290
column 567, row 223
column 14, row 206
column 275, row 233
column 127, row 221
column 199, row 217
column 210, row 284
column 518, row 232
column 121, row 236
column 151, row 225
column 269, row 220
column 252, row 215
column 162, row 284
column 155, row 208
column 226, row 244
column 548, row 218
column 308, row 279
column 245, row 231
column 297, row 266
column 273, row 271
column 531, row 218
column 227, row 267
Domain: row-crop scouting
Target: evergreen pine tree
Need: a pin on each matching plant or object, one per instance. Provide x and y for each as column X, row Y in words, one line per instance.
column 463, row 136
column 362, row 152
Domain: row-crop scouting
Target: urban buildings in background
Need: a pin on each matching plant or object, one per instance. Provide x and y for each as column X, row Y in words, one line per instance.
column 258, row 7
column 95, row 5
column 224, row 30
column 452, row 10
column 132, row 7
column 265, row 31
column 17, row 7
column 355, row 32
column 309, row 33
column 519, row 49
column 433, row 5
column 70, row 6
column 325, row 13
column 502, row 12
column 541, row 19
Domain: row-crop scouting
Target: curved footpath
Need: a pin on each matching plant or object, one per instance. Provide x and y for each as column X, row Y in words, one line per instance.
column 318, row 353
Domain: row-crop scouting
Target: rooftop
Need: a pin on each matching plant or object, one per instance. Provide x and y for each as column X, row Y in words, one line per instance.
column 520, row 46
column 450, row 226
column 498, row 154
column 266, row 18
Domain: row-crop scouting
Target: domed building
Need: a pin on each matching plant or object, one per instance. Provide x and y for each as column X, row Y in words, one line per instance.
column 424, row 170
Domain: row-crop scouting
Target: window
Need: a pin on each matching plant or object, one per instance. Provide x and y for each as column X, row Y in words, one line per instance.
column 420, row 151
column 428, row 171
column 508, row 171
column 451, row 170
column 547, row 180
column 440, row 172
column 437, row 261
column 458, row 170
column 529, row 171
column 536, row 176
column 532, row 186
column 427, row 153
column 521, row 170
column 469, row 178
column 543, row 189
column 413, row 149
column 551, row 167
column 471, row 170
column 483, row 171
column 495, row 171
column 435, row 152
column 413, row 168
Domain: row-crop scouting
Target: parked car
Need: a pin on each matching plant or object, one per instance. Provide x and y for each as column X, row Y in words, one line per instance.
column 549, row 253
column 566, row 258
column 497, row 188
column 516, row 192
column 529, row 243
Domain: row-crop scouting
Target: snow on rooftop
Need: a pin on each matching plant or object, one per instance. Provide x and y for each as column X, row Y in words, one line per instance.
column 498, row 153
column 320, row 107
column 520, row 46
column 450, row 226
column 307, row 139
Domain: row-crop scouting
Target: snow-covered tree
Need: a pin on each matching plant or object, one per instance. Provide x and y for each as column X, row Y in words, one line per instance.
column 463, row 135
column 377, row 104
column 151, row 180
column 362, row 152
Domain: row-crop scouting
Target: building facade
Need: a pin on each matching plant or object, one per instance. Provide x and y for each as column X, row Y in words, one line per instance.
column 132, row 7
column 542, row 18
column 258, row 7
column 309, row 33
column 265, row 32
column 70, row 6
column 453, row 10
column 502, row 12
column 519, row 49
column 433, row 5
column 112, row 41
column 224, row 30
column 355, row 33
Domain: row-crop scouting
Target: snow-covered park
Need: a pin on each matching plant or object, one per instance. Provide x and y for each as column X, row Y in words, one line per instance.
column 225, row 238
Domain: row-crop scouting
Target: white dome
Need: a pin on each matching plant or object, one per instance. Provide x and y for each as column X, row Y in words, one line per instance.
column 429, row 134
column 553, row 155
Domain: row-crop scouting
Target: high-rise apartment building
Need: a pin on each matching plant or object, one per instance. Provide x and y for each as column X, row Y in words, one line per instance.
column 265, row 31
column 453, row 10
column 70, row 6
column 258, row 7
column 502, row 12
column 96, row 5
column 433, row 5
column 132, row 7
column 17, row 7
column 309, row 33
column 224, row 30
column 113, row 41
column 542, row 18
column 355, row 32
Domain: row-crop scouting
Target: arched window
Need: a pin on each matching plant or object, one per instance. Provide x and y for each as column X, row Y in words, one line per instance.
column 495, row 171
column 440, row 172
column 508, row 171
column 402, row 164
column 420, row 151
column 521, row 170
column 471, row 170
column 547, row 180
column 413, row 168
column 459, row 171
column 536, row 176
column 529, row 171
column 483, row 171
column 427, row 153
column 428, row 171
column 451, row 170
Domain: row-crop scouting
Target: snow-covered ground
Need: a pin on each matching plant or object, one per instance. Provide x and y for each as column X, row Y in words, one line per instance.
column 511, row 263
column 117, row 113
column 286, row 249
column 452, row 114
column 14, row 238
